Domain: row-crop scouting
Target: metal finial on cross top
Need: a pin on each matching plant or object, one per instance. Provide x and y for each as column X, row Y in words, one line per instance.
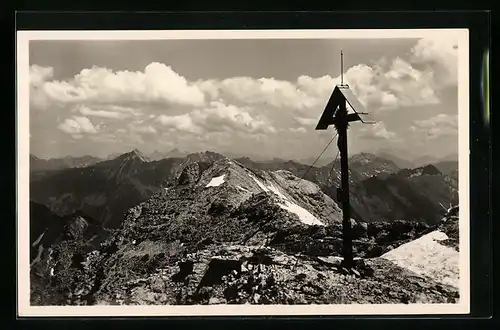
column 336, row 114
column 341, row 67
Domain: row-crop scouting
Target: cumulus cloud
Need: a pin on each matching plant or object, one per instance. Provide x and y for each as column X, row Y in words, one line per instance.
column 158, row 83
column 222, row 117
column 145, row 129
column 219, row 117
column 396, row 84
column 306, row 121
column 121, row 131
column 409, row 85
column 77, row 126
column 377, row 131
column 437, row 126
column 40, row 74
column 105, row 138
column 248, row 90
column 140, row 127
column 439, row 53
column 87, row 111
column 385, row 85
column 298, row 130
column 182, row 123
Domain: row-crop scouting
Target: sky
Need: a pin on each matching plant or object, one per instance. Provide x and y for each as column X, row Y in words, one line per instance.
column 248, row 97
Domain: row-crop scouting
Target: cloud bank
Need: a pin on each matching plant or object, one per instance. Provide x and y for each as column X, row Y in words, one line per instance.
column 135, row 106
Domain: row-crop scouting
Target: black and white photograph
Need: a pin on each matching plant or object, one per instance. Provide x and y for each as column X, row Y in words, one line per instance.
column 243, row 172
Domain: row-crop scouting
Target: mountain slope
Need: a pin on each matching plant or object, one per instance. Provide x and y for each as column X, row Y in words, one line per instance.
column 47, row 228
column 361, row 166
column 104, row 191
column 65, row 239
column 209, row 193
column 168, row 252
column 412, row 195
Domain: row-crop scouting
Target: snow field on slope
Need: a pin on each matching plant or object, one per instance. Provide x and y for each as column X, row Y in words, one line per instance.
column 305, row 216
column 427, row 257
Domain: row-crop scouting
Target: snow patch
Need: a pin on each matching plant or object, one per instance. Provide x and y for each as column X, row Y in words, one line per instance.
column 260, row 184
column 304, row 215
column 241, row 188
column 336, row 259
column 217, row 181
column 35, row 243
column 276, row 191
column 427, row 257
column 52, row 271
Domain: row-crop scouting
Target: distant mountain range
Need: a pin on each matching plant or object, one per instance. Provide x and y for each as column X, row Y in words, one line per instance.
column 412, row 162
column 106, row 190
column 38, row 164
column 445, row 163
column 380, row 190
column 174, row 153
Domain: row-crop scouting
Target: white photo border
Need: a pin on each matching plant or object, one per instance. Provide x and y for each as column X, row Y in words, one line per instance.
column 23, row 150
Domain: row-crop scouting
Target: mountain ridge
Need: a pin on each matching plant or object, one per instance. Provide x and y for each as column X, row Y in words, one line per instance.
column 53, row 164
column 107, row 189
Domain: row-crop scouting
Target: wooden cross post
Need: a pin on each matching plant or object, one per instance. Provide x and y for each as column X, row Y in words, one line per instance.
column 341, row 124
column 336, row 114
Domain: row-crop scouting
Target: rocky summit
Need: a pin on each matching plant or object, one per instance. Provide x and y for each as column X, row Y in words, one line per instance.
column 218, row 232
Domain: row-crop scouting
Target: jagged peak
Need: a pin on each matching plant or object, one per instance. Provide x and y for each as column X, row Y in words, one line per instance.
column 134, row 154
column 422, row 170
column 206, row 156
column 430, row 169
